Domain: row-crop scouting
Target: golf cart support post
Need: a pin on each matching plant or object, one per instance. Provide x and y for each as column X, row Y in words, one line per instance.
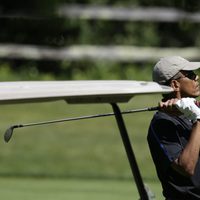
column 130, row 154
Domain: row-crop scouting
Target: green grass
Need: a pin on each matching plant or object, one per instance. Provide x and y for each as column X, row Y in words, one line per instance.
column 74, row 189
column 88, row 149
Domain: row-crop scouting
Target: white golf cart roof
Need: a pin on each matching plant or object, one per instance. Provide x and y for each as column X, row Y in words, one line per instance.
column 107, row 91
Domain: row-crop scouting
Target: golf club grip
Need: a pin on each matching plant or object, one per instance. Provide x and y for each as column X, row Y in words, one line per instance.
column 154, row 108
column 158, row 108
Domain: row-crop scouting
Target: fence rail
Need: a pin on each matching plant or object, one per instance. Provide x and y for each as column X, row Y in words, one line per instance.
column 105, row 12
column 89, row 52
column 155, row 14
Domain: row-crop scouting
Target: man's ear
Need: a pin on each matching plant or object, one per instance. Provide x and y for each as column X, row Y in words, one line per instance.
column 175, row 85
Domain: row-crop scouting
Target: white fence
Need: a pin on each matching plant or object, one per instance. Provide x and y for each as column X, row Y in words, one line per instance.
column 108, row 53
column 155, row 14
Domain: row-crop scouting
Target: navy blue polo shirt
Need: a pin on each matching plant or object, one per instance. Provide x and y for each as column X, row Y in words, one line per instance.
column 167, row 137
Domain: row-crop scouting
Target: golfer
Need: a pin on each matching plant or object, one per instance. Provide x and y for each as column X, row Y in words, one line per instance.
column 174, row 132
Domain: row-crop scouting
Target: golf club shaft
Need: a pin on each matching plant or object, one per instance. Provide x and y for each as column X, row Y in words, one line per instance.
column 84, row 117
column 9, row 132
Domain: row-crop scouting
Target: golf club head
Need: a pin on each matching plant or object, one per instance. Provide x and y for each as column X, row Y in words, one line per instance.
column 8, row 134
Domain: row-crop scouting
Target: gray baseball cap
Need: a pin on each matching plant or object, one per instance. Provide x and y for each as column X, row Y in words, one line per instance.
column 168, row 67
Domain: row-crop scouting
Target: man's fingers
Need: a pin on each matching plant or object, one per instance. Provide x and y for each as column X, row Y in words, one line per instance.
column 170, row 107
column 170, row 103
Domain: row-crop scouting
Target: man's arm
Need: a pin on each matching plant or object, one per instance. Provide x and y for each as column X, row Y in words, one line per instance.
column 186, row 162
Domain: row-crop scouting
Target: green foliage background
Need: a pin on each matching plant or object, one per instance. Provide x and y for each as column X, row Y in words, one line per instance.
column 44, row 27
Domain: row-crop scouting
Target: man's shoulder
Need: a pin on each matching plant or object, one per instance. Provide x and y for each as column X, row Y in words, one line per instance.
column 164, row 118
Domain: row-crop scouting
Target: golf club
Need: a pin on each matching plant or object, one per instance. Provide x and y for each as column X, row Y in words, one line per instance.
column 9, row 132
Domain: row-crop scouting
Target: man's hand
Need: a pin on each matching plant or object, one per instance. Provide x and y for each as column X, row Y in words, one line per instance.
column 185, row 106
column 169, row 107
column 189, row 108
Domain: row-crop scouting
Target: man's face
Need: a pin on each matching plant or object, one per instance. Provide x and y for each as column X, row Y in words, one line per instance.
column 189, row 85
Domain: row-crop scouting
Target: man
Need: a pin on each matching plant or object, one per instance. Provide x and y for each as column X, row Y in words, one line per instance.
column 174, row 132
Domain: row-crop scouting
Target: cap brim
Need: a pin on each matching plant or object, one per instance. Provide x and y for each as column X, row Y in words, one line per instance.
column 191, row 66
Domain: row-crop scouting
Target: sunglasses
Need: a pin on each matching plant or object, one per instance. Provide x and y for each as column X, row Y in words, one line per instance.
column 183, row 74
column 189, row 74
